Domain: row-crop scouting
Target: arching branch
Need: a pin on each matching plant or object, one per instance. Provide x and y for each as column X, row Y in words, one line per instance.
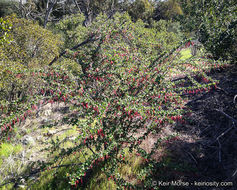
column 91, row 39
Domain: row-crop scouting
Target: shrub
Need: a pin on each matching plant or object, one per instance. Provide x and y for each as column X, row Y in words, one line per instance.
column 124, row 87
column 25, row 45
column 30, row 44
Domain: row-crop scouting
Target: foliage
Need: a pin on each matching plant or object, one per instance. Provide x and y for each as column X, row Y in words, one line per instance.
column 141, row 9
column 7, row 149
column 215, row 25
column 72, row 29
column 167, row 10
column 29, row 46
column 169, row 33
column 31, row 43
column 5, row 28
column 126, row 85
column 146, row 38
column 36, row 10
column 7, row 8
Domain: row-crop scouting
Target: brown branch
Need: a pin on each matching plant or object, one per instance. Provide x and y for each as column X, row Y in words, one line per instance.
column 231, row 118
column 48, row 11
column 73, row 48
column 79, row 9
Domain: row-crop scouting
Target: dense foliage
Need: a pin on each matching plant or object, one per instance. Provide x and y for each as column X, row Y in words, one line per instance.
column 5, row 27
column 168, row 10
column 215, row 24
column 7, row 7
column 124, row 86
column 25, row 45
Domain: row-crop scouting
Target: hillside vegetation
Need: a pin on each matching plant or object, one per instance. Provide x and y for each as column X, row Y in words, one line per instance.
column 120, row 103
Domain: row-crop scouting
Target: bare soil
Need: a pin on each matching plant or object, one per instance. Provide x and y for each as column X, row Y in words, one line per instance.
column 206, row 150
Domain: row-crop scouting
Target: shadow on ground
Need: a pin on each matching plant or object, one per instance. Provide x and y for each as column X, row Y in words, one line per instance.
column 206, row 150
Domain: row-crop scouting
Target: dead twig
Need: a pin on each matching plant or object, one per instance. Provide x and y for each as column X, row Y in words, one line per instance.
column 234, row 173
column 222, row 90
column 226, row 131
column 234, row 101
column 228, row 116
column 219, row 150
column 191, row 156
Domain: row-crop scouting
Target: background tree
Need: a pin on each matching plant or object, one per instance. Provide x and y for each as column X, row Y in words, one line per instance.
column 26, row 45
column 8, row 7
column 214, row 23
column 141, row 9
column 167, row 10
column 53, row 10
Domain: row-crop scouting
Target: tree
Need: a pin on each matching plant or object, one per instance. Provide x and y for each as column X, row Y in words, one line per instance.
column 141, row 9
column 167, row 10
column 53, row 10
column 8, row 7
column 214, row 23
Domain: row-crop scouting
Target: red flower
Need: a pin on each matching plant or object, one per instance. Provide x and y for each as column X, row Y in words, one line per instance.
column 99, row 131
